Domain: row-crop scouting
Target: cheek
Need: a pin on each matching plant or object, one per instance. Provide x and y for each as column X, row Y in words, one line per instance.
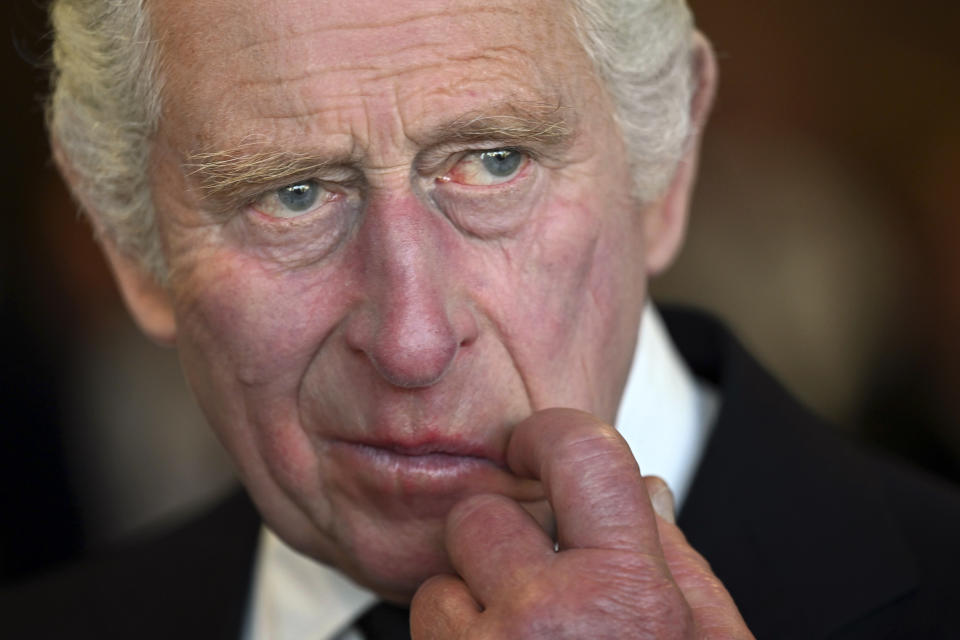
column 246, row 336
column 577, row 261
column 264, row 322
column 566, row 299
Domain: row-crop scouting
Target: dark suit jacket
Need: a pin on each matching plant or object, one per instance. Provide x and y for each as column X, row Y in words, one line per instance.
column 813, row 537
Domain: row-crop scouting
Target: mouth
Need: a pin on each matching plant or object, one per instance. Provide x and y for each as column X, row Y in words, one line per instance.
column 427, row 475
column 435, row 458
column 428, row 449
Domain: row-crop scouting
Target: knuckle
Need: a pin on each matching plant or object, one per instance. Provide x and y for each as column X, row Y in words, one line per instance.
column 629, row 598
column 641, row 595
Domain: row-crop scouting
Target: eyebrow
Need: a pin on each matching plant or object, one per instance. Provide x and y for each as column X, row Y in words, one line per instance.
column 527, row 123
column 248, row 168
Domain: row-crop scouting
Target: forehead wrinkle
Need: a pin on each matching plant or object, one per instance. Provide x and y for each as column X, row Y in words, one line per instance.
column 488, row 54
column 420, row 47
column 312, row 30
column 331, row 102
column 371, row 70
column 353, row 79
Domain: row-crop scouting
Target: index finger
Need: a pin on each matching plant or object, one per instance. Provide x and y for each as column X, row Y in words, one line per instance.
column 590, row 477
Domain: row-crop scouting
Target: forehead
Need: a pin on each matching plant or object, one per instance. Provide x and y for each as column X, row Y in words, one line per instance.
column 290, row 68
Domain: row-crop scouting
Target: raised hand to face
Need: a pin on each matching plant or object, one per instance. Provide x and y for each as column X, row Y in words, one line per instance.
column 621, row 569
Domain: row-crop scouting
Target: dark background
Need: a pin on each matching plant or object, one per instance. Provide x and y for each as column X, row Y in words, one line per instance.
column 824, row 230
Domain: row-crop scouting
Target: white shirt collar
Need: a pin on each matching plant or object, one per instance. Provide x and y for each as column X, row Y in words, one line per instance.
column 297, row 598
column 665, row 416
column 665, row 413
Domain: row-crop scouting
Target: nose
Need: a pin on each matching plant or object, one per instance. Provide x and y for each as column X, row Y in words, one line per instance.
column 413, row 323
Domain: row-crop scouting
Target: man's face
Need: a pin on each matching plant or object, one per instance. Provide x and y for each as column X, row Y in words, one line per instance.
column 395, row 229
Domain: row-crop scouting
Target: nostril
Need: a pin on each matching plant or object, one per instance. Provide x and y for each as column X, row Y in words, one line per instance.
column 468, row 340
column 464, row 325
column 411, row 346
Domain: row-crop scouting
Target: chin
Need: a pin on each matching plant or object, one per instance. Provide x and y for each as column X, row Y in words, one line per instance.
column 390, row 553
column 394, row 566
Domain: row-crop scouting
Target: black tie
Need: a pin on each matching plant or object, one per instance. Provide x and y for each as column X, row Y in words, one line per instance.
column 385, row 622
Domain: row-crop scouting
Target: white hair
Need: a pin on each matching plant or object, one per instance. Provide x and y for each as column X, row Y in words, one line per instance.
column 641, row 49
column 105, row 102
column 102, row 114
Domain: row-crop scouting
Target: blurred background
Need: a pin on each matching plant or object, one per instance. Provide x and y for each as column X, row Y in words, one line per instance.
column 825, row 231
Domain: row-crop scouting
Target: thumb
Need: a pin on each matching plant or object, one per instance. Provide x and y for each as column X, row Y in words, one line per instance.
column 442, row 609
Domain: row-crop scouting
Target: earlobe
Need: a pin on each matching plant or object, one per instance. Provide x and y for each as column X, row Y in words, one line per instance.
column 666, row 220
column 147, row 300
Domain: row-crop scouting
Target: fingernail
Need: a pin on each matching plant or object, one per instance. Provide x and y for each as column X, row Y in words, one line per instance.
column 662, row 500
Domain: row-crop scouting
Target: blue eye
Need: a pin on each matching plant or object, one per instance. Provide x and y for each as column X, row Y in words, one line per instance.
column 298, row 198
column 294, row 200
column 488, row 168
column 501, row 163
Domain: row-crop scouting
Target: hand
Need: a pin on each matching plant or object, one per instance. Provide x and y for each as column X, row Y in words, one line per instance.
column 621, row 571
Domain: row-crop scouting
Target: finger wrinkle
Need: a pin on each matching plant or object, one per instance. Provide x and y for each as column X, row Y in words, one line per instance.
column 591, row 446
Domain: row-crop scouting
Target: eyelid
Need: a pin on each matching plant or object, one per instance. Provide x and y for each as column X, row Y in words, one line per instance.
column 497, row 181
column 272, row 198
column 442, row 158
column 255, row 182
column 246, row 195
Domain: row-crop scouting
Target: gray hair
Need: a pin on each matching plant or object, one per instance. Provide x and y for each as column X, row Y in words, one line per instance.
column 105, row 102
column 102, row 114
column 641, row 49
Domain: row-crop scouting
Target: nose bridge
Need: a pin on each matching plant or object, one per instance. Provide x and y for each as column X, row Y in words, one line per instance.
column 407, row 264
column 412, row 341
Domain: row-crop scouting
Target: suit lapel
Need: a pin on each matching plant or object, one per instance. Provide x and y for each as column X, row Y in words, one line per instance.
column 217, row 551
column 783, row 508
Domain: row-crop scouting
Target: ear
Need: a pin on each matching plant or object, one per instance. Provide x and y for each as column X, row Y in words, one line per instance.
column 147, row 300
column 665, row 222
